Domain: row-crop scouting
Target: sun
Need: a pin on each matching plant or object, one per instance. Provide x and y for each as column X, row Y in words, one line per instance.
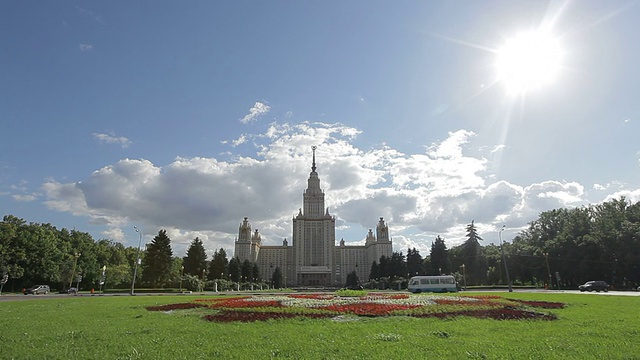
column 528, row 61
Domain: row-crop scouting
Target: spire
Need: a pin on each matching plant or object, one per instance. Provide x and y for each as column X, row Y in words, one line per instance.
column 313, row 165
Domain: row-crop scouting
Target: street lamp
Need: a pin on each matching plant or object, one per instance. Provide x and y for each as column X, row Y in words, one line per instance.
column 73, row 271
column 546, row 259
column 464, row 276
column 135, row 269
column 181, row 275
column 504, row 260
column 204, row 283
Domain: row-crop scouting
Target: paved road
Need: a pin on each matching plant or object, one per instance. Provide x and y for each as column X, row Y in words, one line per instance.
column 20, row 297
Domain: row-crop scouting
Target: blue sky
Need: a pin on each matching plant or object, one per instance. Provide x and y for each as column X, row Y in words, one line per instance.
column 189, row 116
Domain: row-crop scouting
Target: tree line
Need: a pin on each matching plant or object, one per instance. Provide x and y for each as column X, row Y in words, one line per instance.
column 560, row 249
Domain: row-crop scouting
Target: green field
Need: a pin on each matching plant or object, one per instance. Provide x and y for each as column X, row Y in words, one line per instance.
column 119, row 327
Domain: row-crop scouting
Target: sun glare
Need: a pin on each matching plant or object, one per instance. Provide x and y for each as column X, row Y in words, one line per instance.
column 529, row 61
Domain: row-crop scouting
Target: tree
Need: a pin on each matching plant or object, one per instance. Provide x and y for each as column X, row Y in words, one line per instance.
column 352, row 280
column 247, row 270
column 156, row 269
column 276, row 278
column 196, row 260
column 472, row 257
column 384, row 267
column 256, row 272
column 439, row 258
column 397, row 265
column 374, row 273
column 414, row 262
column 234, row 269
column 218, row 267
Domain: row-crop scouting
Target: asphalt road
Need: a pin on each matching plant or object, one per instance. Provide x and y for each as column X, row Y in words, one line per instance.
column 20, row 297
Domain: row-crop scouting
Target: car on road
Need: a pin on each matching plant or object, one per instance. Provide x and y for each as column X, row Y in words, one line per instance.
column 594, row 286
column 38, row 289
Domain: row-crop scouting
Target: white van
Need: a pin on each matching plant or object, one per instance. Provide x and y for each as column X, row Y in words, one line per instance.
column 442, row 283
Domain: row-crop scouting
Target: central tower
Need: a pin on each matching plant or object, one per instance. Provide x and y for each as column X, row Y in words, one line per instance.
column 314, row 234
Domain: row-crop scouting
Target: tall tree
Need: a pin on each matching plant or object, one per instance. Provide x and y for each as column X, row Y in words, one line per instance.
column 276, row 278
column 158, row 262
column 247, row 270
column 440, row 262
column 196, row 260
column 397, row 265
column 218, row 267
column 235, row 269
column 256, row 272
column 472, row 257
column 352, row 280
column 374, row 273
column 384, row 268
column 414, row 262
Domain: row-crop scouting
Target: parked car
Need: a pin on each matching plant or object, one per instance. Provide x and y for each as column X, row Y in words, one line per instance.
column 72, row 290
column 38, row 289
column 594, row 286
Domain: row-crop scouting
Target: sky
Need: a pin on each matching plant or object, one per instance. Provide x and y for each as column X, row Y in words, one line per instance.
column 189, row 116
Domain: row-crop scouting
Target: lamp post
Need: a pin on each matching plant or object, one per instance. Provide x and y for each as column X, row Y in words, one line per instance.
column 135, row 268
column 181, row 275
column 204, row 284
column 546, row 259
column 73, row 271
column 103, row 278
column 504, row 260
column 464, row 276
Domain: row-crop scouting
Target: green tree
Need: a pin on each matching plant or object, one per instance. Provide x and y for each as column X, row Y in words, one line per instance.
column 247, row 270
column 196, row 260
column 157, row 265
column 276, row 278
column 256, row 272
column 414, row 262
column 234, row 269
column 374, row 273
column 397, row 265
column 472, row 256
column 439, row 258
column 218, row 267
column 352, row 280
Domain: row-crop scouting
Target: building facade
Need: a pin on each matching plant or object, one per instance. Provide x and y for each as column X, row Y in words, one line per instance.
column 313, row 258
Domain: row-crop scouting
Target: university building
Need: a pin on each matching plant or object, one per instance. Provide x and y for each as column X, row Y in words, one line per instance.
column 313, row 258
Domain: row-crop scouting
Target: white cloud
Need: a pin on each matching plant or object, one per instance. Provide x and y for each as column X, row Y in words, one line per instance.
column 419, row 195
column 255, row 112
column 24, row 198
column 85, row 47
column 239, row 141
column 112, row 139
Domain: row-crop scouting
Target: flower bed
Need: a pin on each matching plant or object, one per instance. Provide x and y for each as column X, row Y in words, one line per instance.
column 261, row 308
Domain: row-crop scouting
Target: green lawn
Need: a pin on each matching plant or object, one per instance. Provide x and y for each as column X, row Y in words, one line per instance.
column 119, row 327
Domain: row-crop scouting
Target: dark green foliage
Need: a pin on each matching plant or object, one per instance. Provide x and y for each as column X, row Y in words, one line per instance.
column 218, row 265
column 414, row 263
column 40, row 253
column 352, row 280
column 397, row 265
column 196, row 260
column 247, row 270
column 157, row 265
column 374, row 273
column 256, row 272
column 276, row 278
column 439, row 259
column 234, row 269
column 472, row 256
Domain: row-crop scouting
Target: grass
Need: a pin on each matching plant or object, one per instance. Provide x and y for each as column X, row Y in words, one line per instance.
column 119, row 327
